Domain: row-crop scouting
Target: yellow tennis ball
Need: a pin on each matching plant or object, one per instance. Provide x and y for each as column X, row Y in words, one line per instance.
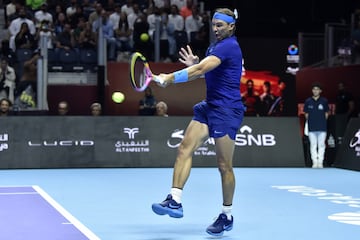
column 144, row 37
column 118, row 97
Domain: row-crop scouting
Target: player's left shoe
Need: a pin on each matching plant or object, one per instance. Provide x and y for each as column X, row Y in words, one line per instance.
column 169, row 206
column 221, row 224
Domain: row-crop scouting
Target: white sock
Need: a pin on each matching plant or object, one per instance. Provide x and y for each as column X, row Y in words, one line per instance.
column 227, row 211
column 176, row 194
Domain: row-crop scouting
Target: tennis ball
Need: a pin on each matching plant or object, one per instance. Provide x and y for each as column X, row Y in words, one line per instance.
column 118, row 97
column 144, row 37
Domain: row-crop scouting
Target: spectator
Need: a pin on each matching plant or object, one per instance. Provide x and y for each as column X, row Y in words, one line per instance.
column 145, row 47
column 63, row 108
column 187, row 9
column 201, row 38
column 194, row 22
column 127, row 7
column 7, row 80
column 34, row 5
column 123, row 37
column 95, row 109
column 147, row 105
column 65, row 40
column 108, row 34
column 43, row 15
column 25, row 92
column 5, row 106
column 175, row 23
column 95, row 14
column 24, row 39
column 133, row 16
column 161, row 109
column 87, row 38
column 7, row 52
column 345, row 104
column 15, row 27
column 60, row 23
column 251, row 99
column 266, row 99
column 316, row 111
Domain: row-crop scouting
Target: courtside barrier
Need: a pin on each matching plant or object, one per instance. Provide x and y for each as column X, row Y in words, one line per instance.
column 108, row 141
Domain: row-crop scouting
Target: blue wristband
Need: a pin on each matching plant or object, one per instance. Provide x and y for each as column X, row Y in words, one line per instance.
column 181, row 76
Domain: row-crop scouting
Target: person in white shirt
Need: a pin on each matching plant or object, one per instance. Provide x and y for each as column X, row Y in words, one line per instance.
column 43, row 15
column 15, row 27
column 151, row 19
column 115, row 16
column 128, row 7
column 175, row 23
column 7, row 80
column 133, row 16
column 194, row 22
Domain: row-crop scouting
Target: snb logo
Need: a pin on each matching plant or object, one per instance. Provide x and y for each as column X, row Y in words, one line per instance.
column 250, row 139
column 355, row 140
column 131, row 132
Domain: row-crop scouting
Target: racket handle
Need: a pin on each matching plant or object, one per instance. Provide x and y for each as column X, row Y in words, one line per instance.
column 158, row 79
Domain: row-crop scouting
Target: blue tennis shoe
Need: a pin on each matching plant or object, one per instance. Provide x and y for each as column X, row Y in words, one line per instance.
column 169, row 206
column 220, row 225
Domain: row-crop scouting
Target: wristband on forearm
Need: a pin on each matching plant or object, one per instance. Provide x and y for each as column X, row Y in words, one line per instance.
column 181, row 76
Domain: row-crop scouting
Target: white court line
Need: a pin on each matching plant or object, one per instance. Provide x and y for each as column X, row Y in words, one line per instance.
column 19, row 193
column 87, row 232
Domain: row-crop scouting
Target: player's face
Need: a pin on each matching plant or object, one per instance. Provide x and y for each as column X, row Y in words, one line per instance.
column 222, row 29
column 316, row 91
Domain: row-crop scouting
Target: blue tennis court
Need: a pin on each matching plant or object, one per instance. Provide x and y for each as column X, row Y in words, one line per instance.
column 115, row 203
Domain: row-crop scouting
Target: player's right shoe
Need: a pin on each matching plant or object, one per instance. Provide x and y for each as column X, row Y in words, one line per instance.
column 169, row 206
column 221, row 224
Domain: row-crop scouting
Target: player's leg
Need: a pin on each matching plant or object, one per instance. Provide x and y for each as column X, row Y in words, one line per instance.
column 195, row 134
column 224, row 152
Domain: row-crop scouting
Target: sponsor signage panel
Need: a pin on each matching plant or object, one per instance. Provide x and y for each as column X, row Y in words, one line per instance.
column 348, row 155
column 80, row 141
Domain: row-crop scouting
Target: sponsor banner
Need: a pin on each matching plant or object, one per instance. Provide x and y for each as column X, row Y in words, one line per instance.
column 348, row 155
column 79, row 141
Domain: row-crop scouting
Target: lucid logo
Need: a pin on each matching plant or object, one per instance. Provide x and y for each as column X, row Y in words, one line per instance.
column 61, row 143
column 3, row 142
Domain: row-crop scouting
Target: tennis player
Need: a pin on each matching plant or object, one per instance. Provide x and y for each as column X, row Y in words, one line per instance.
column 219, row 117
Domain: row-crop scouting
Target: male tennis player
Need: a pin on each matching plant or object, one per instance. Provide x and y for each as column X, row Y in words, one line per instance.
column 219, row 117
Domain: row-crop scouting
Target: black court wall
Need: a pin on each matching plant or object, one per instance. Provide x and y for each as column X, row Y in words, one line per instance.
column 348, row 156
column 78, row 141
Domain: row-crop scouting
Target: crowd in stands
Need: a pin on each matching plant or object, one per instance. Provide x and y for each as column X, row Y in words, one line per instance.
column 72, row 27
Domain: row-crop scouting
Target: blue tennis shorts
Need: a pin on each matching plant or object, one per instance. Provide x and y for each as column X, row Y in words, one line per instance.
column 221, row 121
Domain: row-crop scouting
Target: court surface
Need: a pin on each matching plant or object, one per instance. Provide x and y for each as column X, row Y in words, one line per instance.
column 115, row 203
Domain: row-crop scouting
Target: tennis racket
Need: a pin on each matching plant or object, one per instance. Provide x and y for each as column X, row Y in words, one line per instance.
column 140, row 73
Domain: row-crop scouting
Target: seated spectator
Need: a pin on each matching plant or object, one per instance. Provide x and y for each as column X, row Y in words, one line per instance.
column 87, row 38
column 7, row 52
column 24, row 39
column 108, row 34
column 95, row 109
column 43, row 15
column 7, row 80
column 251, row 99
column 65, row 39
column 45, row 30
column 63, row 108
column 147, row 105
column 123, row 36
column 5, row 106
column 266, row 99
column 161, row 109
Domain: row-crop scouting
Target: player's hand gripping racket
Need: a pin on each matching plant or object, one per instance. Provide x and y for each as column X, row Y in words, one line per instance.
column 140, row 73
